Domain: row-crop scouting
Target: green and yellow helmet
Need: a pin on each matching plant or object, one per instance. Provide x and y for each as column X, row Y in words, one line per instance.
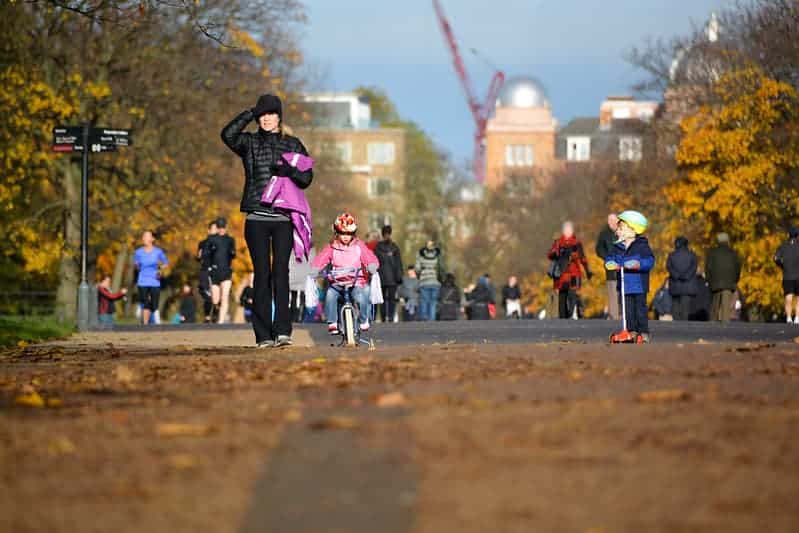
column 635, row 220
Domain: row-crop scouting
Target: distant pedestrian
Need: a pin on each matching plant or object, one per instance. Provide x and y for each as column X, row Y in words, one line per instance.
column 428, row 268
column 700, row 307
column 662, row 302
column 449, row 299
column 723, row 270
column 512, row 298
column 633, row 254
column 223, row 250
column 247, row 297
column 188, row 307
column 604, row 247
column 106, row 299
column 149, row 261
column 409, row 295
column 298, row 274
column 787, row 258
column 390, row 257
column 682, row 264
column 568, row 258
column 478, row 299
column 204, row 256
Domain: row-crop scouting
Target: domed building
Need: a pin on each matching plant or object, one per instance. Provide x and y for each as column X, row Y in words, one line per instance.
column 520, row 137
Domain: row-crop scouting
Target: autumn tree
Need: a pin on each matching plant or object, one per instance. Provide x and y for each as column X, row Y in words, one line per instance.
column 739, row 163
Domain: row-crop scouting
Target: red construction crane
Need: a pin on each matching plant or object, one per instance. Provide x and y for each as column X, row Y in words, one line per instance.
column 480, row 111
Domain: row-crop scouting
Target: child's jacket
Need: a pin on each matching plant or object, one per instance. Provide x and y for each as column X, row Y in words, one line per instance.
column 635, row 281
column 356, row 255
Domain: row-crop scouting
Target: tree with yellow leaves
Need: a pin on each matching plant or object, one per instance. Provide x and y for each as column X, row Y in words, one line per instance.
column 739, row 173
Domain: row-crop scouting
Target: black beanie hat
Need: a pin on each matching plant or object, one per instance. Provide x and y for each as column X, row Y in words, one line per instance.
column 221, row 222
column 268, row 103
column 793, row 233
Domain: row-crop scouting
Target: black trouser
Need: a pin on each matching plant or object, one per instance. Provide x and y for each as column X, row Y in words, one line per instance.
column 681, row 306
column 636, row 312
column 270, row 245
column 205, row 291
column 567, row 300
column 389, row 305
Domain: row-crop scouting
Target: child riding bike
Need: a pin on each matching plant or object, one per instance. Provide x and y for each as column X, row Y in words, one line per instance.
column 347, row 260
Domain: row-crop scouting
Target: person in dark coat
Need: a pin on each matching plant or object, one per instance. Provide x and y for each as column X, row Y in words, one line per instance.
column 787, row 258
column 723, row 270
column 269, row 233
column 478, row 300
column 700, row 307
column 567, row 252
column 449, row 299
column 682, row 264
column 388, row 253
column 188, row 307
column 604, row 248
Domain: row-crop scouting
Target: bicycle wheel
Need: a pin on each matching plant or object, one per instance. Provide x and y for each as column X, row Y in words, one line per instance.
column 348, row 318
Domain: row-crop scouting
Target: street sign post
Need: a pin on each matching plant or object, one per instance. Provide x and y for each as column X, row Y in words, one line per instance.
column 85, row 139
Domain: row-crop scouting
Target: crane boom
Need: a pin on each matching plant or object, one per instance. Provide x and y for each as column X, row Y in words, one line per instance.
column 480, row 111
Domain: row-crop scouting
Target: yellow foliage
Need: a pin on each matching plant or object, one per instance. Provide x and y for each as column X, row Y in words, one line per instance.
column 244, row 40
column 738, row 162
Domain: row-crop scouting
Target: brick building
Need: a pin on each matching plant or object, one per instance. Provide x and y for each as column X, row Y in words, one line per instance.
column 372, row 158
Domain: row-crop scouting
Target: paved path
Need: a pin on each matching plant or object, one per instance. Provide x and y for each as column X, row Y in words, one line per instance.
column 461, row 332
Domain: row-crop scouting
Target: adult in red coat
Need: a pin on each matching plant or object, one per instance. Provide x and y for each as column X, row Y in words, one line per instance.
column 569, row 261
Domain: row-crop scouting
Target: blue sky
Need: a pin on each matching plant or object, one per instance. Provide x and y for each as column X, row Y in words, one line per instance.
column 575, row 48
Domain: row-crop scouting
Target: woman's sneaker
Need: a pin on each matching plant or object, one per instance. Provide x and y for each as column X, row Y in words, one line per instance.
column 268, row 343
column 333, row 329
column 283, row 340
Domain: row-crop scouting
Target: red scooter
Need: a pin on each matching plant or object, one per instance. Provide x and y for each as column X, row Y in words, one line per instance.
column 624, row 336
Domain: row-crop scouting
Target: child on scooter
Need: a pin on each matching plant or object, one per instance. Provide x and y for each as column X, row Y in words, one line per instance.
column 349, row 254
column 632, row 253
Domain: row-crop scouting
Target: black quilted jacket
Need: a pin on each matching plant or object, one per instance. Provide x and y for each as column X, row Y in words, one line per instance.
column 258, row 152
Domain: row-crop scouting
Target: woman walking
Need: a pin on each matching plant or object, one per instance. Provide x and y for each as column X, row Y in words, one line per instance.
column 568, row 257
column 268, row 231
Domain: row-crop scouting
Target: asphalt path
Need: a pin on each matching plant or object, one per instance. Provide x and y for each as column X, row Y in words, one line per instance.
column 528, row 331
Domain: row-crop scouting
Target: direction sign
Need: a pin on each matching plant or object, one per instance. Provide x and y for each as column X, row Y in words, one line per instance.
column 108, row 136
column 68, row 139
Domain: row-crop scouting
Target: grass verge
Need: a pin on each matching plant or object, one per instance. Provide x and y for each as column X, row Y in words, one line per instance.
column 14, row 330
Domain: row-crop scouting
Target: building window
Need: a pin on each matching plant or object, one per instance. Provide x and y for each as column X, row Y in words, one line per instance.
column 630, row 149
column 344, row 151
column 381, row 153
column 379, row 187
column 519, row 155
column 578, row 148
column 378, row 220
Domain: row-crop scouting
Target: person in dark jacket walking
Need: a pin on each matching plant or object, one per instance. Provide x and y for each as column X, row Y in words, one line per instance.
column 223, row 249
column 604, row 248
column 449, row 299
column 723, row 270
column 204, row 254
column 682, row 264
column 787, row 258
column 268, row 232
column 390, row 257
column 479, row 298
column 512, row 298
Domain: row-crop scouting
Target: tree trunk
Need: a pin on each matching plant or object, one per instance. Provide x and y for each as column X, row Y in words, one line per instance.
column 119, row 268
column 69, row 263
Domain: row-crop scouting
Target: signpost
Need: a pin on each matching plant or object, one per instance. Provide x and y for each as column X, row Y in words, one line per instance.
column 78, row 139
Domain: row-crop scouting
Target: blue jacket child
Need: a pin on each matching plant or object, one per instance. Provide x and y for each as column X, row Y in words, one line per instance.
column 637, row 260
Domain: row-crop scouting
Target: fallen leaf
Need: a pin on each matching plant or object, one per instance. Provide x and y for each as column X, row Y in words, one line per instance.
column 575, row 375
column 54, row 402
column 183, row 430
column 61, row 446
column 183, row 461
column 292, row 415
column 391, row 399
column 124, row 375
column 319, row 360
column 664, row 395
column 32, row 399
column 334, row 422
